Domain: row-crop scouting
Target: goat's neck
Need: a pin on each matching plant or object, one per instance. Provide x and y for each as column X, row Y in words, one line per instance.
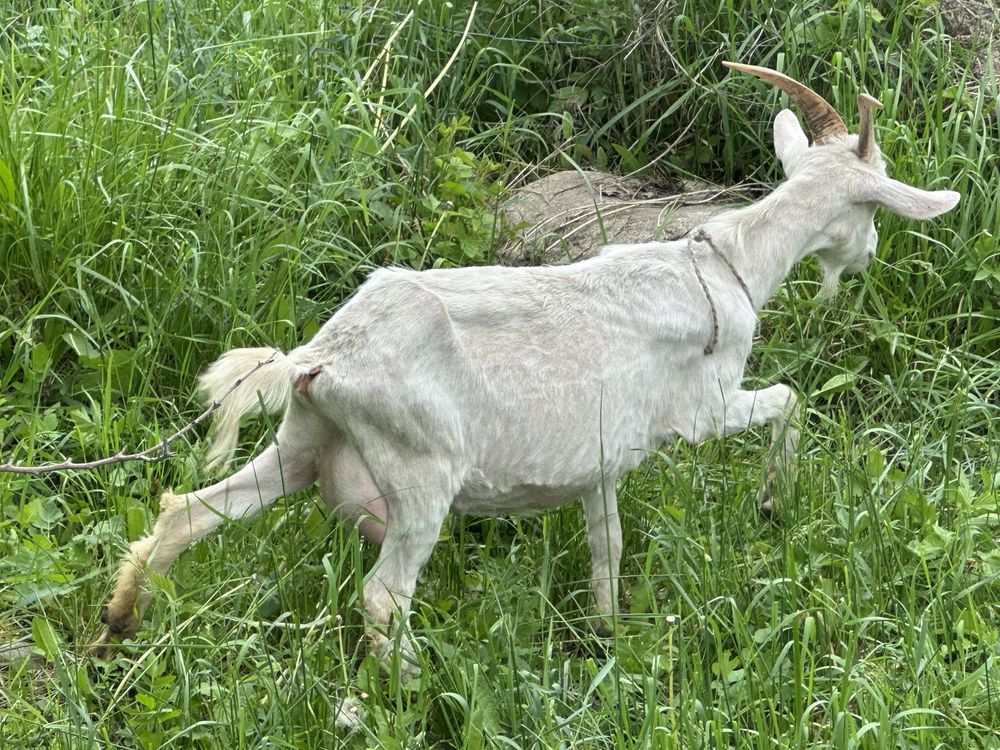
column 764, row 240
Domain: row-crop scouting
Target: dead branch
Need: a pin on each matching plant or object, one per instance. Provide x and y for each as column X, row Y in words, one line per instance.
column 157, row 453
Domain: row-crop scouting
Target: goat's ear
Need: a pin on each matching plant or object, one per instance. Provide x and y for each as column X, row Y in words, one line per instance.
column 911, row 202
column 789, row 139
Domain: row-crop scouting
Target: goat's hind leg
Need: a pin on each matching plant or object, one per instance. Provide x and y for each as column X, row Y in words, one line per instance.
column 184, row 519
column 417, row 507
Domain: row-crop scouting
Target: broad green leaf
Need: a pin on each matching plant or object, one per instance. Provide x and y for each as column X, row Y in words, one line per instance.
column 837, row 383
column 6, row 183
column 135, row 522
column 45, row 637
column 80, row 344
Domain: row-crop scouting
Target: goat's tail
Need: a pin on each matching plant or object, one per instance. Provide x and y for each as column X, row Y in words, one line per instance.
column 268, row 385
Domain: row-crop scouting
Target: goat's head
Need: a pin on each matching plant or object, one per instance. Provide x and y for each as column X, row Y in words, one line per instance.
column 842, row 176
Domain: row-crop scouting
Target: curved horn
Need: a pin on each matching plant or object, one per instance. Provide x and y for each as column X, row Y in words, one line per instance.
column 821, row 118
column 866, row 134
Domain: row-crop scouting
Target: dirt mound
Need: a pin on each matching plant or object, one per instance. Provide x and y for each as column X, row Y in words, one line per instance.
column 567, row 216
column 974, row 22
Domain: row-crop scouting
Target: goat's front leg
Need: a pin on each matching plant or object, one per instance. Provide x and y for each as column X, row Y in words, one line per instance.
column 781, row 464
column 604, row 535
column 776, row 406
column 184, row 519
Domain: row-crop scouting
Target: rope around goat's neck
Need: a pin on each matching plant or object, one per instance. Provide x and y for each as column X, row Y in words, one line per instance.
column 701, row 236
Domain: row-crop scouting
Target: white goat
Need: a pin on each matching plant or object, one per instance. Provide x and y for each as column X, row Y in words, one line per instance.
column 492, row 391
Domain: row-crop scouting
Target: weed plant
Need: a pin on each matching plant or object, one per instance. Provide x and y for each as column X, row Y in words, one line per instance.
column 180, row 177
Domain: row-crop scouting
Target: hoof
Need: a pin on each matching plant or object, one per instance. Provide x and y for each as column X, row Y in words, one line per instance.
column 116, row 629
column 119, row 626
column 770, row 511
column 409, row 668
column 101, row 648
column 769, row 504
column 766, row 509
column 385, row 652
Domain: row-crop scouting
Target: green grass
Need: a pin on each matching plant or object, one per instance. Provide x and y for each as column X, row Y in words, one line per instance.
column 178, row 178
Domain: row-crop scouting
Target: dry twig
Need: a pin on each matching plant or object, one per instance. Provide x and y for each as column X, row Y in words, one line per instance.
column 158, row 452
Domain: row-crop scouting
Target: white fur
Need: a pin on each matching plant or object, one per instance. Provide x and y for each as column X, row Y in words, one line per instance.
column 273, row 391
column 507, row 390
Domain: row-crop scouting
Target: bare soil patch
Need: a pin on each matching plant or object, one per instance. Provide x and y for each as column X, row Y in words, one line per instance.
column 567, row 216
